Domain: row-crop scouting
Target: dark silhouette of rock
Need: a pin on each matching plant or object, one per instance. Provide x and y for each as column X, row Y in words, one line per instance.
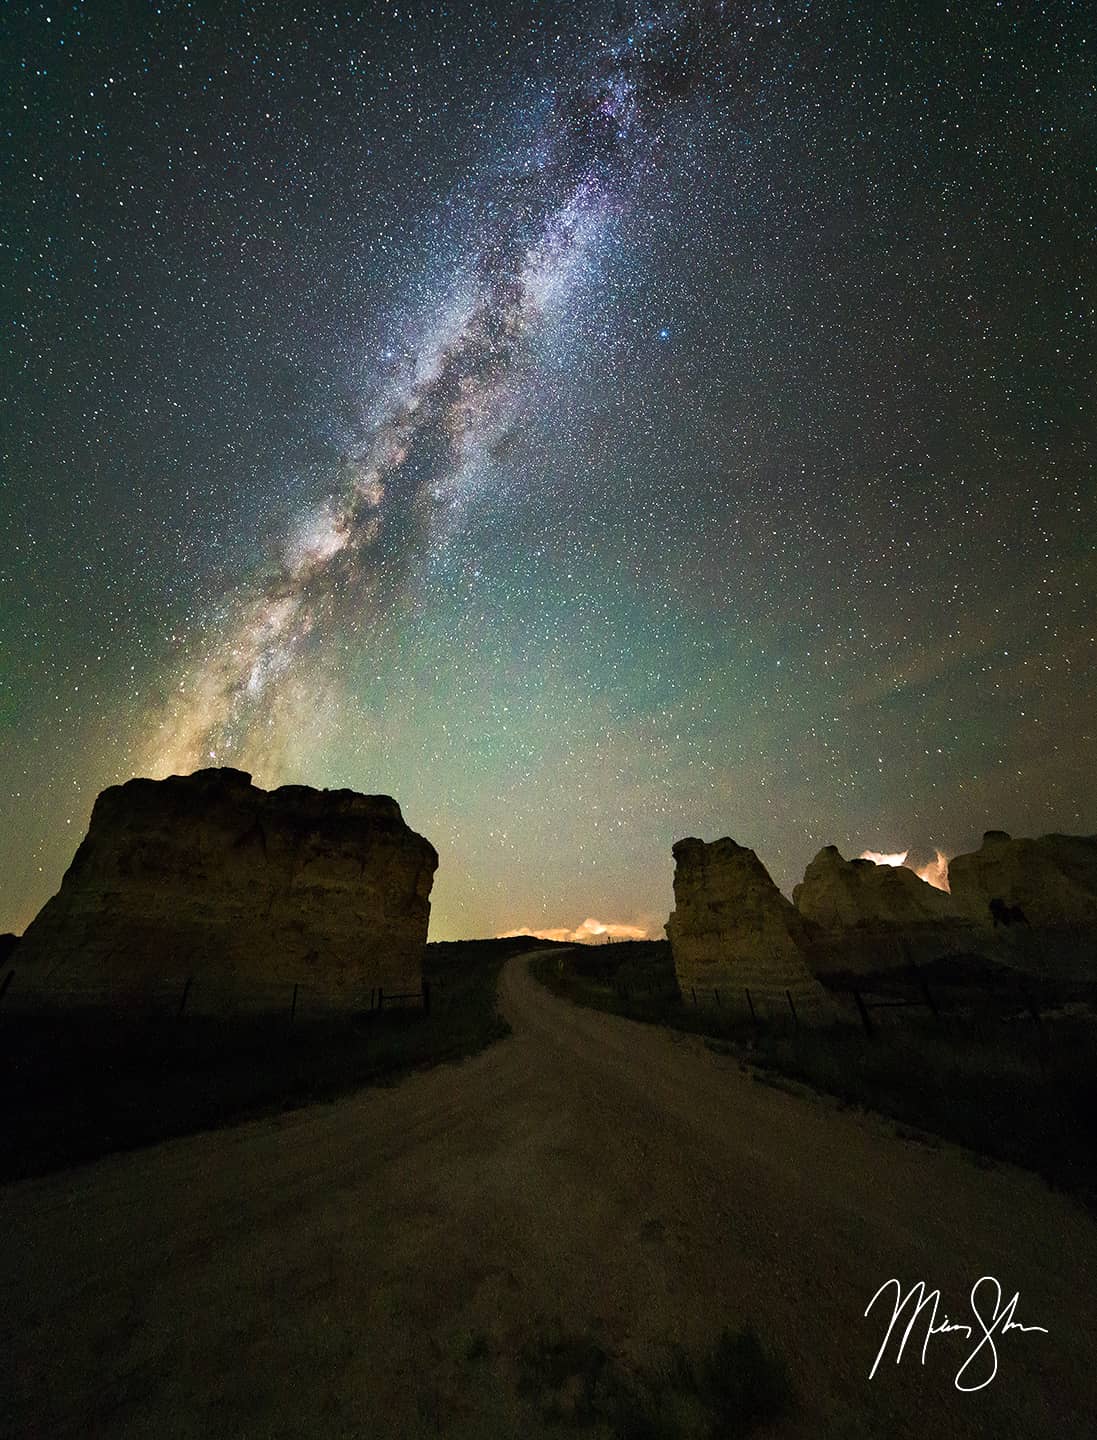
column 8, row 943
column 244, row 891
column 732, row 931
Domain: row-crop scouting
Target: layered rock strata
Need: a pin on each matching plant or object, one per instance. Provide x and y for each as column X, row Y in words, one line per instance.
column 863, row 917
column 732, row 931
column 244, row 892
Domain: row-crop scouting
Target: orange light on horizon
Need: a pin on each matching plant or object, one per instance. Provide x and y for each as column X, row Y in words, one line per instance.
column 590, row 932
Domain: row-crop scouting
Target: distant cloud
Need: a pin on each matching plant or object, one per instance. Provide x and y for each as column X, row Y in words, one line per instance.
column 934, row 872
column 590, row 932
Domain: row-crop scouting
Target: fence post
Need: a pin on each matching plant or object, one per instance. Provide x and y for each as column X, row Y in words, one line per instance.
column 8, row 978
column 293, row 1006
column 426, row 997
column 792, row 1007
column 183, row 999
column 750, row 1002
column 865, row 1021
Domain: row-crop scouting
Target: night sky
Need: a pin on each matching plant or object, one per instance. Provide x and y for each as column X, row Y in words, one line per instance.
column 589, row 424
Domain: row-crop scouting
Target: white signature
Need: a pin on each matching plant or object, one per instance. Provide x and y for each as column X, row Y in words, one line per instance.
column 999, row 1322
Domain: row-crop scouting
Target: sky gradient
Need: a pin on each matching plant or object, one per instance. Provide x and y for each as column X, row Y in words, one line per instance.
column 590, row 424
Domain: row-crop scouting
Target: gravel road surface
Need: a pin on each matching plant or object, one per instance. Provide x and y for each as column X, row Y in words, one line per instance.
column 379, row 1266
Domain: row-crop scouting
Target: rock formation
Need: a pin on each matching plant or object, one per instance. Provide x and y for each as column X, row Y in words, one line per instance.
column 732, row 931
column 246, row 892
column 864, row 917
column 1039, row 897
column 1053, row 879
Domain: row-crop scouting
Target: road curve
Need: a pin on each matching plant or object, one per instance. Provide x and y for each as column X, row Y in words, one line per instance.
column 326, row 1272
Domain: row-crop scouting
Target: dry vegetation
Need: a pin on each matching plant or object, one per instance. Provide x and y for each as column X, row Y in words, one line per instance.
column 79, row 1084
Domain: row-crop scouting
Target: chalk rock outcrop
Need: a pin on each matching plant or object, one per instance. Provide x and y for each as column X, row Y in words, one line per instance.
column 1038, row 896
column 837, row 893
column 247, row 892
column 732, row 931
column 1053, row 879
column 866, row 917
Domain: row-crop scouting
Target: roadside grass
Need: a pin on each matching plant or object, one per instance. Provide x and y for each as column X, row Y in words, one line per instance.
column 79, row 1084
column 985, row 1078
column 577, row 1382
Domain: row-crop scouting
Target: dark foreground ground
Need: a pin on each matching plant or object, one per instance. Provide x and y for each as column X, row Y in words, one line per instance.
column 1007, row 1067
column 592, row 1227
column 76, row 1085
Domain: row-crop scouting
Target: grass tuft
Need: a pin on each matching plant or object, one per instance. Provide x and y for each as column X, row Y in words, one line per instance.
column 727, row 1393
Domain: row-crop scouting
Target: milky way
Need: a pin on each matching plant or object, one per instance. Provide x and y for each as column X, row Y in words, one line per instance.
column 591, row 424
column 255, row 695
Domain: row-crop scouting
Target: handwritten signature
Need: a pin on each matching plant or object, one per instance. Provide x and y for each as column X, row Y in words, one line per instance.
column 990, row 1318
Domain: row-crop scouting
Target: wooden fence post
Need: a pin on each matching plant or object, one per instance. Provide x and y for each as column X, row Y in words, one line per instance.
column 865, row 1021
column 183, row 999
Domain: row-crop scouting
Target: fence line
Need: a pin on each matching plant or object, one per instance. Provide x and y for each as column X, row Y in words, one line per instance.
column 192, row 996
column 1010, row 989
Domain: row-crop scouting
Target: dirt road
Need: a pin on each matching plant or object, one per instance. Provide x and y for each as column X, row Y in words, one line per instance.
column 376, row 1266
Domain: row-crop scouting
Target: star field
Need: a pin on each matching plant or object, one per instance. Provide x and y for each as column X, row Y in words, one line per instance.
column 590, row 424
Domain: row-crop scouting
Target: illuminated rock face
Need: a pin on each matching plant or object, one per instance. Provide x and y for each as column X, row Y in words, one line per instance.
column 247, row 892
column 1030, row 904
column 865, row 917
column 732, row 931
column 835, row 893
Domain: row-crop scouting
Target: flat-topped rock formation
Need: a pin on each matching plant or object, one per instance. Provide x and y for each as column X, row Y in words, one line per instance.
column 864, row 917
column 732, row 931
column 247, row 892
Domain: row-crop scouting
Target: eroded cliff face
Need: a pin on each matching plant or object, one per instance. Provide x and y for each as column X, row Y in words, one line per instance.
column 1038, row 898
column 732, row 931
column 1029, row 904
column 863, row 917
column 245, row 891
column 1053, row 879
